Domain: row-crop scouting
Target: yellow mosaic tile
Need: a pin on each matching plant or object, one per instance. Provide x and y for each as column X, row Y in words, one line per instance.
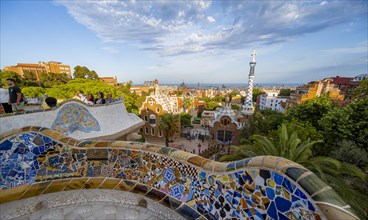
column 110, row 183
column 57, row 186
column 72, row 142
column 284, row 164
column 181, row 155
column 256, row 162
column 93, row 183
column 270, row 162
column 125, row 185
column 101, row 144
column 197, row 160
column 77, row 183
column 36, row 189
column 12, row 194
column 219, row 167
column 25, row 129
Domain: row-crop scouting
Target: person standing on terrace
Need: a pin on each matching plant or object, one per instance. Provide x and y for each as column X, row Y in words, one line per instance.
column 15, row 96
column 4, row 99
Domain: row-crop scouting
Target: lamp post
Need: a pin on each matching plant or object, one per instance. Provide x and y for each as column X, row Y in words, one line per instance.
column 199, row 148
column 228, row 149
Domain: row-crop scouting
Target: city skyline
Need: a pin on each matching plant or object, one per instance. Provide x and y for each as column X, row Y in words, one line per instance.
column 196, row 41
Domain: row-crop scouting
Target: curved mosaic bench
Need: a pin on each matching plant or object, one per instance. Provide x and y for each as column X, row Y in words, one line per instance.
column 36, row 161
column 76, row 119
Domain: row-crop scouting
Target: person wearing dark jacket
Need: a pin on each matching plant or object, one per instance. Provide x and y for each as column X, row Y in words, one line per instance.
column 100, row 99
column 15, row 96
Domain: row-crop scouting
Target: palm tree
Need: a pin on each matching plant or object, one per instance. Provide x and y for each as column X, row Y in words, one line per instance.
column 169, row 125
column 328, row 169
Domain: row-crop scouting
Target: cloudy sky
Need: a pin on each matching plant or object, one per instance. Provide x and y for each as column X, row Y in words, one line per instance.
column 191, row 41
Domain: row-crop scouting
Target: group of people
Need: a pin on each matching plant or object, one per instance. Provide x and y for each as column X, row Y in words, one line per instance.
column 12, row 99
column 90, row 100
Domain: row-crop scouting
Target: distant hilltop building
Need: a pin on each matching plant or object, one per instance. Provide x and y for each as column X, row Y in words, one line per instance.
column 316, row 89
column 335, row 87
column 145, row 88
column 112, row 81
column 40, row 67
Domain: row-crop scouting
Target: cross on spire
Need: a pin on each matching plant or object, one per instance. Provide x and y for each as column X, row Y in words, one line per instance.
column 253, row 56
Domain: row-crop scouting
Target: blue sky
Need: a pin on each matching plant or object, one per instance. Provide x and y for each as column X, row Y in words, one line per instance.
column 191, row 41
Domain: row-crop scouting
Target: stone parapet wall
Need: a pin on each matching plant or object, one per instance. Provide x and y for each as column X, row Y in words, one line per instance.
column 36, row 161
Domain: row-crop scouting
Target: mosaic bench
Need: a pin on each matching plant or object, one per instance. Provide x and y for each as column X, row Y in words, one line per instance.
column 76, row 119
column 36, row 161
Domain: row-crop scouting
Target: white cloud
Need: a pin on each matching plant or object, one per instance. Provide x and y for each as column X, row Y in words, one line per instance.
column 211, row 20
column 110, row 49
column 181, row 27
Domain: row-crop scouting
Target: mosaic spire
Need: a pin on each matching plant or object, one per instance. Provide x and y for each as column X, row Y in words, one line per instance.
column 247, row 108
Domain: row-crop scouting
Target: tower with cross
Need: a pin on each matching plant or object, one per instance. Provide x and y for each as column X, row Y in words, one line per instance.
column 247, row 108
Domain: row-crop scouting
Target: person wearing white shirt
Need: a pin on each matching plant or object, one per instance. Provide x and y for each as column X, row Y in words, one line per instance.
column 4, row 98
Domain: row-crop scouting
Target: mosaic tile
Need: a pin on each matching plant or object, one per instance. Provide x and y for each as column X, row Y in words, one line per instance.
column 72, row 117
column 77, row 183
column 57, row 186
column 233, row 192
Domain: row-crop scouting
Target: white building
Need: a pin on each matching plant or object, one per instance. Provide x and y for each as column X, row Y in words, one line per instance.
column 272, row 101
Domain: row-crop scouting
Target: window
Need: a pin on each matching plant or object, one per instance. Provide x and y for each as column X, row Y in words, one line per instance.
column 152, row 131
column 224, row 136
column 160, row 133
column 152, row 120
column 146, row 130
column 147, row 110
column 158, row 109
column 145, row 118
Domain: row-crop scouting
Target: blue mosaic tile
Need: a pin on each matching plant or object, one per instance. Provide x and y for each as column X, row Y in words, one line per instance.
column 244, row 194
column 73, row 117
column 177, row 191
column 169, row 175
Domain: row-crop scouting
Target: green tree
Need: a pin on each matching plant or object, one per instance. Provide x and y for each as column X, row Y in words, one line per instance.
column 305, row 130
column 80, row 72
column 235, row 107
column 187, row 103
column 360, row 92
column 33, row 91
column 212, row 105
column 10, row 74
column 92, row 75
column 185, row 119
column 28, row 75
column 336, row 125
column 330, row 170
column 256, row 93
column 349, row 152
column 312, row 110
column 169, row 125
column 285, row 92
column 268, row 120
column 347, row 123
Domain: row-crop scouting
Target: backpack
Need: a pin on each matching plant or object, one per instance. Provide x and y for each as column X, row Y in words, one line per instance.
column 25, row 100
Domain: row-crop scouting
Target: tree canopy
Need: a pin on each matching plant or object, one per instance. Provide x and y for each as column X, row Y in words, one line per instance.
column 84, row 73
column 169, row 125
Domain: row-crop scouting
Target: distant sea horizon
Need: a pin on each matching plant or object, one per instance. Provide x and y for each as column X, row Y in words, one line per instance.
column 230, row 85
